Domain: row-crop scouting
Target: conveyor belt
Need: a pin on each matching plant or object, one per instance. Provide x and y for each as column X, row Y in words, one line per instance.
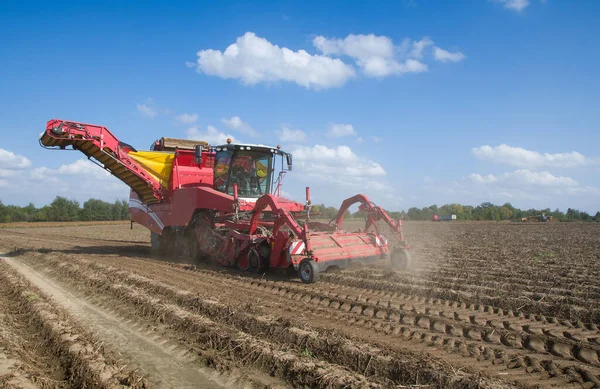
column 110, row 163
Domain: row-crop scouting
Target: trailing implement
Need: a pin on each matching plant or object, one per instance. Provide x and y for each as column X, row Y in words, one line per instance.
column 223, row 202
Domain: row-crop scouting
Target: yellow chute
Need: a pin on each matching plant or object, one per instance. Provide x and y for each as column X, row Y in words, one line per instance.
column 158, row 164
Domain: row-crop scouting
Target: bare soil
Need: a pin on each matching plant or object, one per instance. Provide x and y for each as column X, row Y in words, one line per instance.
column 485, row 305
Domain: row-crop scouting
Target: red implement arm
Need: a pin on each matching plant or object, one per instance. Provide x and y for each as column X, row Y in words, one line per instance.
column 99, row 143
column 373, row 212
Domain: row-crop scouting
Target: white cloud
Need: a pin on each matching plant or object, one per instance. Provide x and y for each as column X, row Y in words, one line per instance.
column 514, row 5
column 524, row 177
column 376, row 138
column 187, row 118
column 287, row 134
column 253, row 60
column 377, row 56
column 482, row 179
column 5, row 173
column 446, row 56
column 147, row 110
column 419, row 47
column 339, row 173
column 235, row 122
column 517, row 156
column 210, row 135
column 79, row 180
column 10, row 160
column 585, row 190
column 325, row 162
column 359, row 139
column 81, row 167
column 340, row 130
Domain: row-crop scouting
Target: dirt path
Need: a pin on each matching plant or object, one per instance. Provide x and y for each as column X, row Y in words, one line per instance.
column 165, row 366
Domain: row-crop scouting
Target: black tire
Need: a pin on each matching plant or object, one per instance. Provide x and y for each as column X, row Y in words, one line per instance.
column 308, row 271
column 400, row 259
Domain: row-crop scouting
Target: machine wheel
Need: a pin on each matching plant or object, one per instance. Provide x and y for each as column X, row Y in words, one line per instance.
column 400, row 259
column 308, row 271
column 254, row 261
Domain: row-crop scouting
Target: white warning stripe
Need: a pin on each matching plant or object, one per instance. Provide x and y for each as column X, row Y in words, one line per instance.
column 380, row 240
column 134, row 203
column 297, row 247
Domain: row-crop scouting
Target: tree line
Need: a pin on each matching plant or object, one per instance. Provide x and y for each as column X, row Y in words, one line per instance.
column 63, row 209
column 484, row 211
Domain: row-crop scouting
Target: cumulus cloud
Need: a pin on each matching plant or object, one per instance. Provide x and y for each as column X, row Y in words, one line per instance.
column 376, row 138
column 210, row 135
column 341, row 173
column 376, row 56
column 446, row 56
column 236, row 123
column 514, row 5
column 483, row 179
column 5, row 173
column 517, row 156
column 187, row 118
column 10, row 160
column 325, row 162
column 524, row 177
column 81, row 167
column 147, row 110
column 253, row 60
column 287, row 134
column 340, row 130
column 419, row 47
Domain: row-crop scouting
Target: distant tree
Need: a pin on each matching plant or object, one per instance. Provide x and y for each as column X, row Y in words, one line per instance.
column 94, row 209
column 505, row 212
column 63, row 209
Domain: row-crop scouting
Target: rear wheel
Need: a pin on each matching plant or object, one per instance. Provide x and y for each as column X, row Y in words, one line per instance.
column 308, row 271
column 400, row 259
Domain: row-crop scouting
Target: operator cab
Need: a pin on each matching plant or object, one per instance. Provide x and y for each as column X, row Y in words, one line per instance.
column 251, row 167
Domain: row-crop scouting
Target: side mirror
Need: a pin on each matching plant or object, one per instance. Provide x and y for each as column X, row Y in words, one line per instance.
column 198, row 154
column 288, row 157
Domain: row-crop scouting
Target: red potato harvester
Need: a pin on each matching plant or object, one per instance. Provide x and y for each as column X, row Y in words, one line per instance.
column 223, row 202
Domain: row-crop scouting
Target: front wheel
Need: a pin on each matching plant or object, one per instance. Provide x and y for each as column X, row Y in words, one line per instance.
column 400, row 259
column 308, row 271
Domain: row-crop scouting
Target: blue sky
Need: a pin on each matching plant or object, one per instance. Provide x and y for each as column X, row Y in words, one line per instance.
column 410, row 102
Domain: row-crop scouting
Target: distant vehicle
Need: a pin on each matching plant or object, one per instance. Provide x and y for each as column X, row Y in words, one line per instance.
column 541, row 218
column 443, row 218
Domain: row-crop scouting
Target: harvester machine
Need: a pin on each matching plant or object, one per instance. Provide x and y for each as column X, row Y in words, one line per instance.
column 223, row 203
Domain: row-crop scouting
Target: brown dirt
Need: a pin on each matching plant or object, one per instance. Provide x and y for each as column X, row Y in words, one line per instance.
column 485, row 305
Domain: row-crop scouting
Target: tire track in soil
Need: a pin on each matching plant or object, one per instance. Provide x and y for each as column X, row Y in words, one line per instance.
column 545, row 367
column 512, row 303
column 240, row 348
column 163, row 367
column 81, row 359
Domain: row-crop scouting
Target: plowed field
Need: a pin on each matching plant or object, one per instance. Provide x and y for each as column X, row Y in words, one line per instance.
column 485, row 305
